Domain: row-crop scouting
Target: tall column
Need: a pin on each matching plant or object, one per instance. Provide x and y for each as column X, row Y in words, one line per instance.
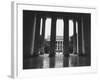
column 87, row 34
column 43, row 35
column 53, row 37
column 37, row 36
column 74, row 38
column 80, row 35
column 83, row 45
column 34, row 26
column 43, row 28
column 66, row 37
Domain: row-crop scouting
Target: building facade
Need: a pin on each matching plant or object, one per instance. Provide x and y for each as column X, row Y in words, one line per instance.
column 59, row 43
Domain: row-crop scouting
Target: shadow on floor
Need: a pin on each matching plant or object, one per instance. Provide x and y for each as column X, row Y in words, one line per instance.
column 59, row 61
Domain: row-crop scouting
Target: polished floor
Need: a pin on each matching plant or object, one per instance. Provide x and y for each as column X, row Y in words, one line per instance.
column 59, row 61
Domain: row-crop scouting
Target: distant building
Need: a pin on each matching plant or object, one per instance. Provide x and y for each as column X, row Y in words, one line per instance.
column 59, row 43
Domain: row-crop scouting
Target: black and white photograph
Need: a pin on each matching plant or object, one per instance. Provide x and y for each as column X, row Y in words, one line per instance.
column 52, row 40
column 55, row 39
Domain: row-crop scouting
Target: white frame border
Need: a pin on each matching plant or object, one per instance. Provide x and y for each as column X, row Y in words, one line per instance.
column 17, row 53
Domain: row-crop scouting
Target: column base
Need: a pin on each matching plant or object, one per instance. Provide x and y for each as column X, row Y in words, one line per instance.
column 66, row 55
column 52, row 55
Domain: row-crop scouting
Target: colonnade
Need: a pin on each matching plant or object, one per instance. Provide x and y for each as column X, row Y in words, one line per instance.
column 78, row 38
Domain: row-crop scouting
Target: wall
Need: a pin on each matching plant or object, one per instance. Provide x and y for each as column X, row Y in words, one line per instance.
column 5, row 40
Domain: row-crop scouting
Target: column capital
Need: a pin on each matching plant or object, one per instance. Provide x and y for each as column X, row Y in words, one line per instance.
column 65, row 18
column 44, row 18
column 54, row 17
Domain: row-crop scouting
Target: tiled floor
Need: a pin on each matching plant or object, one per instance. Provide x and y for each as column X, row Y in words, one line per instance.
column 43, row 61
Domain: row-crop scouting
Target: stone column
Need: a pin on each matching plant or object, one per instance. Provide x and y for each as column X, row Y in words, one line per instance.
column 87, row 34
column 66, row 37
column 43, row 28
column 53, row 37
column 74, row 38
column 37, row 36
column 80, row 35
column 43, row 35
column 83, row 45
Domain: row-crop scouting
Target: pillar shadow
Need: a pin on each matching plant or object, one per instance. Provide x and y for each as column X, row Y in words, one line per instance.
column 84, row 61
column 65, row 61
column 33, row 63
column 51, row 62
column 73, row 60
